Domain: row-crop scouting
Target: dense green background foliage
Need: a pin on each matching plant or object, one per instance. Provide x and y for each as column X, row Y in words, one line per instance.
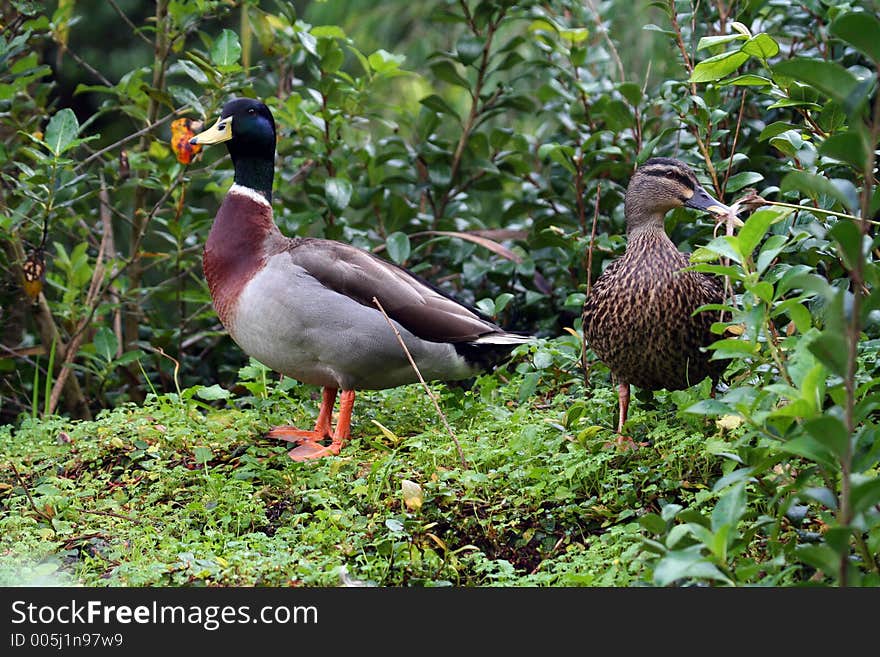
column 485, row 145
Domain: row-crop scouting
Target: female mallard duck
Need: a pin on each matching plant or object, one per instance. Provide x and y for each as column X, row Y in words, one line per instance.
column 639, row 317
column 305, row 307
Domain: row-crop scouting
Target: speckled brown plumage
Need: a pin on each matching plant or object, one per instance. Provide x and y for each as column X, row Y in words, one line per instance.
column 639, row 316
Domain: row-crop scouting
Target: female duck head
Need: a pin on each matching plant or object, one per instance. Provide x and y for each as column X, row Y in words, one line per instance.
column 660, row 185
column 248, row 129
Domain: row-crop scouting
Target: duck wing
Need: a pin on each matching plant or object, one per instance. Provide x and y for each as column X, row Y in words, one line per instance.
column 412, row 302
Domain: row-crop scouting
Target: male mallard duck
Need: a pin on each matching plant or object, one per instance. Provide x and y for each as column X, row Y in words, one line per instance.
column 638, row 318
column 305, row 307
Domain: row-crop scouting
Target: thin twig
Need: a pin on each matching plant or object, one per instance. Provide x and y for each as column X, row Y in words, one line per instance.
column 127, row 21
column 91, row 69
column 28, row 493
column 430, row 394
column 133, row 135
column 589, row 266
column 742, row 104
column 830, row 213
column 601, row 29
column 701, row 143
column 93, row 296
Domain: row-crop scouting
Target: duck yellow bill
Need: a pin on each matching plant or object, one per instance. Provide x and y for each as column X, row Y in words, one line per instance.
column 219, row 132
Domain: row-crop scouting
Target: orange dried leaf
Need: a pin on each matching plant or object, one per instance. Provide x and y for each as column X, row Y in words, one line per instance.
column 34, row 270
column 182, row 131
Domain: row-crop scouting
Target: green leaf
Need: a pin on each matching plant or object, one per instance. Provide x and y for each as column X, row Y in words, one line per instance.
column 849, row 239
column 813, row 185
column 774, row 129
column 686, row 564
column 726, row 246
column 631, row 91
column 789, row 142
column 800, row 279
column 61, row 131
column 502, row 301
column 762, row 290
column 486, row 306
column 865, row 492
column 186, row 97
column 847, row 147
column 709, row 407
column 820, row 557
column 822, row 495
column 770, row 249
column 202, row 455
column 106, row 343
column 446, row 71
column 436, row 103
column 830, row 78
column 337, row 191
column 652, row 523
column 193, row 71
column 830, row 348
column 730, row 507
column 384, row 62
column 733, row 348
column 212, row 393
column 861, row 30
column 394, row 525
column 708, row 42
column 575, row 35
column 559, row 153
column 717, row 67
column 226, row 50
column 810, row 448
column 328, row 31
column 762, row 46
column 754, row 229
column 796, row 313
column 742, row 179
column 468, row 48
column 749, row 80
column 830, row 432
column 398, row 246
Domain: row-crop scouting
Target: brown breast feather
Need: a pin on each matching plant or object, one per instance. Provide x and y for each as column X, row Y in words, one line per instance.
column 236, row 250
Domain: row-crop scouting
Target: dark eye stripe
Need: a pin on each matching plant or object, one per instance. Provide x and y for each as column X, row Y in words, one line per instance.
column 663, row 172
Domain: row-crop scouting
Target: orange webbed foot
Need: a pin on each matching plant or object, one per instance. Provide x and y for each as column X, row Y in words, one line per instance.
column 298, row 436
column 309, row 445
column 310, row 450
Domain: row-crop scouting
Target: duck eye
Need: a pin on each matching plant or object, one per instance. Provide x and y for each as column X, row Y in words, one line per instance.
column 670, row 174
column 252, row 111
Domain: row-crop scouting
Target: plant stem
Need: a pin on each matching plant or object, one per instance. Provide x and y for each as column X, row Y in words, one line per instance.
column 132, row 313
column 476, row 109
column 430, row 394
column 853, row 332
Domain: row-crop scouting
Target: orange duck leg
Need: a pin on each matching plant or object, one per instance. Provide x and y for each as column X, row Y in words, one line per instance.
column 309, row 442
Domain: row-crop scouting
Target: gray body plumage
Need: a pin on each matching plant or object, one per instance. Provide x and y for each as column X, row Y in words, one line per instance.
column 290, row 321
column 304, row 307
